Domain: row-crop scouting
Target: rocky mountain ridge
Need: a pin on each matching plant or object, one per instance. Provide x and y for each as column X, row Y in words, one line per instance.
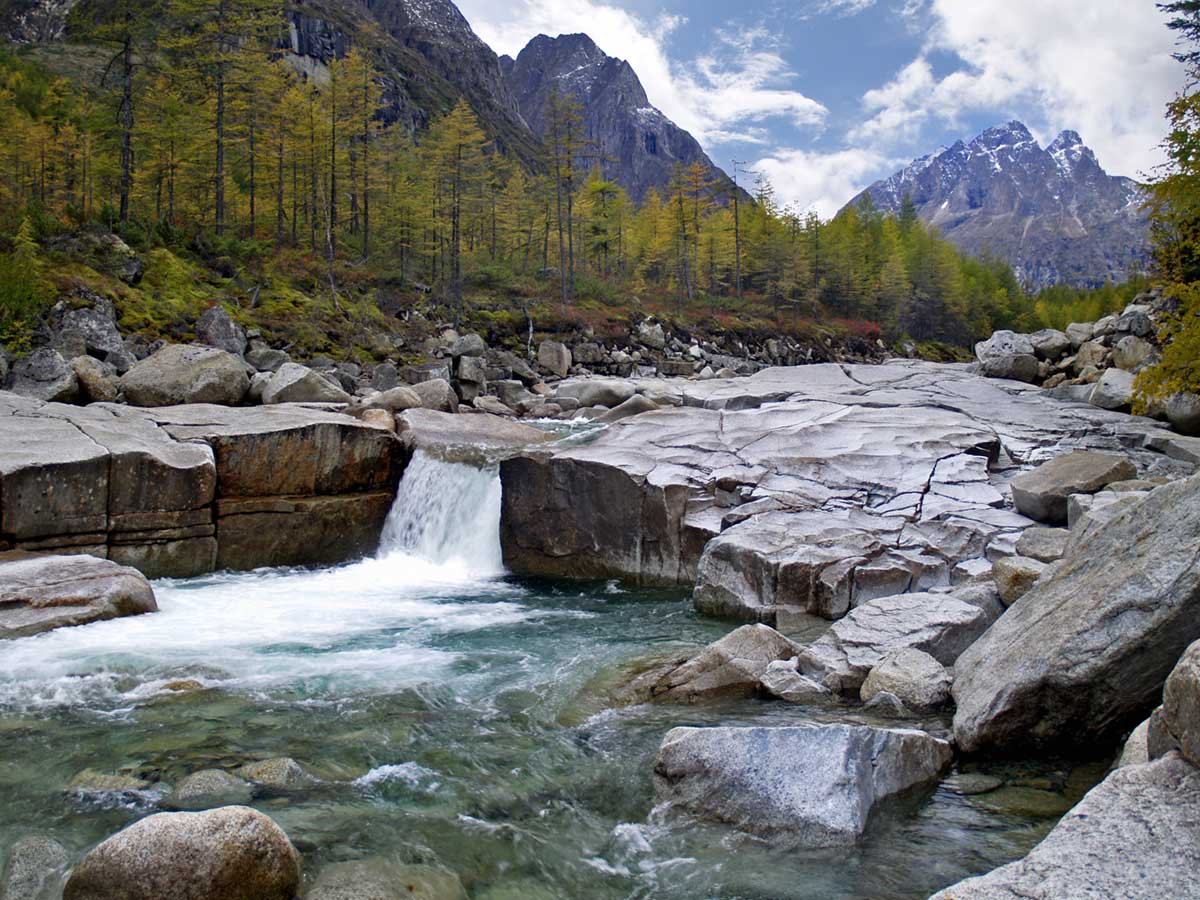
column 635, row 144
column 1052, row 212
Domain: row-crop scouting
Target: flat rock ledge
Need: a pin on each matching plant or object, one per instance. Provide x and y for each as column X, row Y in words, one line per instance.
column 182, row 491
column 813, row 489
column 803, row 786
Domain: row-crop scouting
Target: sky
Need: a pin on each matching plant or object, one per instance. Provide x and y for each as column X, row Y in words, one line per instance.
column 824, row 97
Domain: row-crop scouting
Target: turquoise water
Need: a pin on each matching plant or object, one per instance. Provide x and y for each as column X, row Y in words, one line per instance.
column 453, row 716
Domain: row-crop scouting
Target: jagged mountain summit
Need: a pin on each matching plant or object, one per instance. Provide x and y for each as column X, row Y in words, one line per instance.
column 637, row 145
column 1052, row 212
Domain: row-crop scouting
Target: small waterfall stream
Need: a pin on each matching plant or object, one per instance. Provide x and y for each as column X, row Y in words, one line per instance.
column 447, row 514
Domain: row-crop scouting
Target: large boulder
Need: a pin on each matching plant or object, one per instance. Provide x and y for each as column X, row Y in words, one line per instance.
column 1181, row 705
column 97, row 328
column 554, row 358
column 1114, row 390
column 1084, row 655
column 97, row 380
column 1133, row 353
column 181, row 373
column 650, row 334
column 1050, row 343
column 45, row 375
column 436, row 394
column 215, row 328
column 40, row 593
column 942, row 625
column 803, row 786
column 468, row 345
column 733, row 666
column 1183, row 412
column 233, row 853
column 1008, row 355
column 294, row 383
column 1133, row 836
column 1042, row 493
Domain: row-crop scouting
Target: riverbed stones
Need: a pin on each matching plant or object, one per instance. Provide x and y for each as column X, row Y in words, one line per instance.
column 384, row 879
column 804, row 786
column 914, row 677
column 207, row 789
column 294, row 383
column 733, row 666
column 941, row 625
column 233, row 853
column 180, row 373
column 436, row 394
column 1084, row 654
column 278, row 774
column 41, row 593
column 1042, row 493
column 1132, row 836
column 34, row 869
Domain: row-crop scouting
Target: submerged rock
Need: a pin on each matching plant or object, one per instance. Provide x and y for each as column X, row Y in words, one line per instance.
column 40, row 593
column 1086, row 652
column 279, row 774
column 379, row 879
column 208, row 789
column 1132, row 836
column 804, row 786
column 234, row 853
column 34, row 869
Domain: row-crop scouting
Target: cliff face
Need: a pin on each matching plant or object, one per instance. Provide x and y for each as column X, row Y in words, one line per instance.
column 1052, row 212
column 34, row 21
column 638, row 146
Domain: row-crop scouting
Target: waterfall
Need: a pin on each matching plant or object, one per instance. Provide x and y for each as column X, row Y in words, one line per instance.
column 447, row 514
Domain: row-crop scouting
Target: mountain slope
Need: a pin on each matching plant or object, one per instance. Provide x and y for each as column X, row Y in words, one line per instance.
column 638, row 145
column 1053, row 213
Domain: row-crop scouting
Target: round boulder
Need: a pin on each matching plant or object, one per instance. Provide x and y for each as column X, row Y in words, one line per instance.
column 208, row 789
column 182, row 373
column 233, row 853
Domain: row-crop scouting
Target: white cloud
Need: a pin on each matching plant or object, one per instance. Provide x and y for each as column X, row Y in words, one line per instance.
column 1103, row 69
column 822, row 181
column 715, row 97
column 842, row 7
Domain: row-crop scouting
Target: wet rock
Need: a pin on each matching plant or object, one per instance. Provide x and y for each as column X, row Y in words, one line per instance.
column 634, row 406
column 783, row 680
column 97, row 380
column 804, row 786
column 1042, row 493
column 34, row 869
column 942, row 625
column 281, row 774
column 208, row 789
column 380, row 879
column 594, row 392
column 733, row 666
column 1057, row 668
column 915, row 678
column 294, row 383
column 436, row 394
column 972, row 784
column 234, row 853
column 45, row 375
column 90, row 782
column 1015, row 575
column 1181, row 704
column 215, row 328
column 1114, row 390
column 1043, row 544
column 179, row 374
column 1131, row 836
column 554, row 357
column 465, row 437
column 41, row 593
